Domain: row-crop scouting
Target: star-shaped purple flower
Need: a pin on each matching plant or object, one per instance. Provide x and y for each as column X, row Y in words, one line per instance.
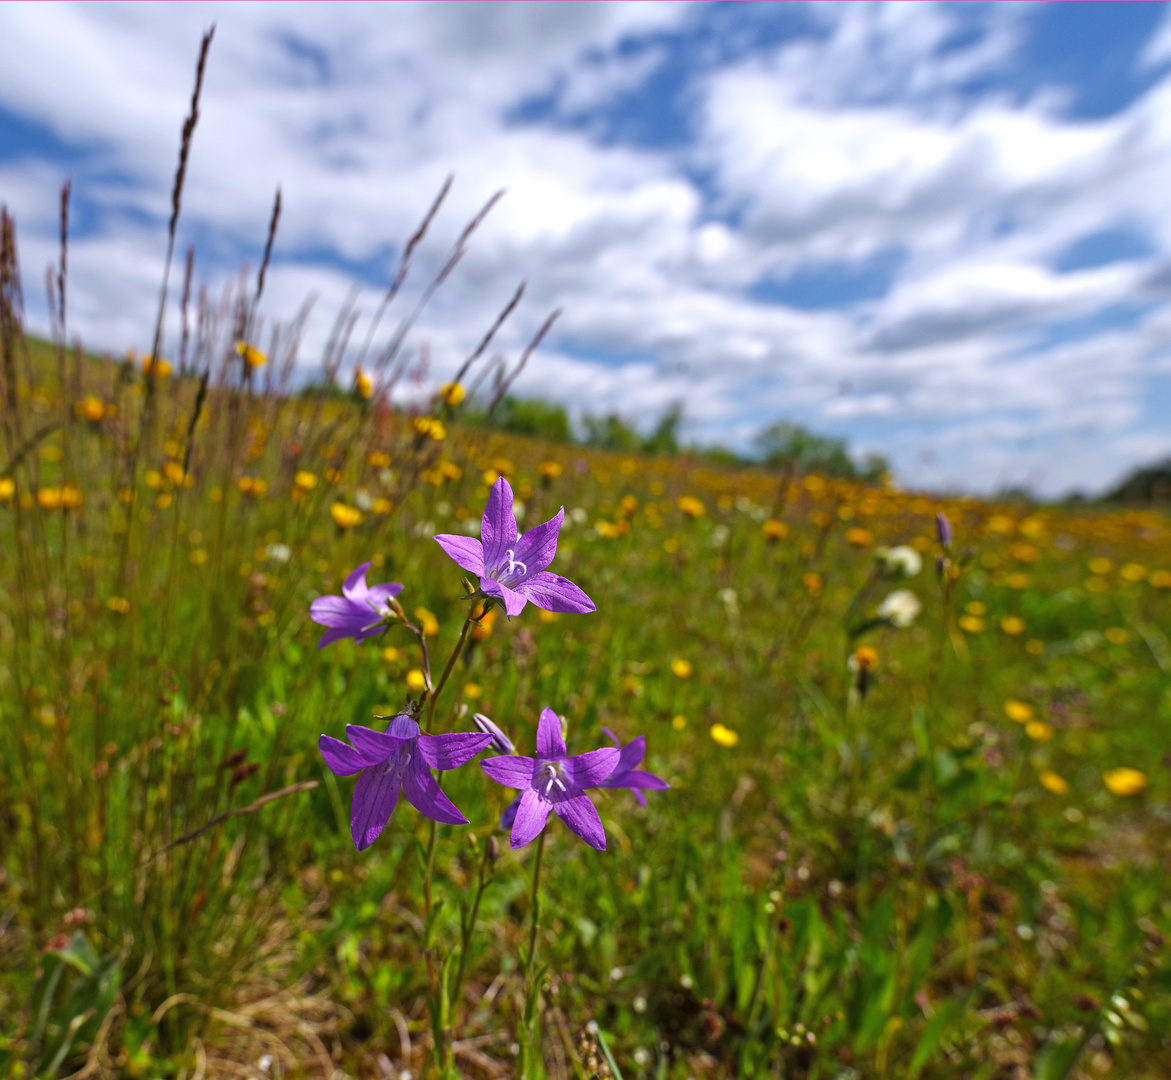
column 626, row 773
column 554, row 781
column 358, row 613
column 394, row 760
column 511, row 567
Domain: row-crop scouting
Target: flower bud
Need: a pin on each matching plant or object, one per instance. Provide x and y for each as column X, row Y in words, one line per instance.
column 493, row 850
column 943, row 529
column 501, row 743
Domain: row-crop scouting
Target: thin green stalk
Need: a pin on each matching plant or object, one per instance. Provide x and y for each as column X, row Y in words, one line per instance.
column 459, row 648
column 528, row 1064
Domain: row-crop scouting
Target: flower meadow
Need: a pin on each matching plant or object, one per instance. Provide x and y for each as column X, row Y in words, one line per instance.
column 341, row 738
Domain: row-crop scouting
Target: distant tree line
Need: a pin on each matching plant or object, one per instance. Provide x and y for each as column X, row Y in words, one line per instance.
column 783, row 445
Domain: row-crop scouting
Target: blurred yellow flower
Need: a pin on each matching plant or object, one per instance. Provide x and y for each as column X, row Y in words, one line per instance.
column 378, row 459
column 774, row 530
column 1161, row 579
column 198, row 556
column 252, row 485
column 679, row 722
column 1116, row 635
column 254, row 358
column 1012, row 624
column 451, row 470
column 173, row 471
column 381, row 506
column 1018, row 711
column 859, row 537
column 1039, row 730
column 70, row 497
column 483, row 628
column 161, row 368
column 7, row 487
column 428, row 623
column 363, row 385
column 628, row 505
column 975, row 607
column 865, row 658
column 118, row 604
column 1053, row 782
column 1018, row 581
column 1100, row 566
column 812, row 582
column 49, row 498
column 549, row 470
column 1124, row 781
column 390, row 654
column 670, row 545
column 304, row 480
column 1133, row 572
column 346, row 517
column 680, row 668
column 92, row 409
column 725, row 736
column 1035, row 647
column 691, row 506
column 416, row 680
column 452, row 394
column 971, row 624
column 472, row 691
column 547, row 616
column 1097, row 585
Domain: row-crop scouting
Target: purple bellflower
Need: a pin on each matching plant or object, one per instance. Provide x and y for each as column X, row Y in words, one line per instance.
column 626, row 773
column 554, row 781
column 511, row 567
column 359, row 612
column 397, row 759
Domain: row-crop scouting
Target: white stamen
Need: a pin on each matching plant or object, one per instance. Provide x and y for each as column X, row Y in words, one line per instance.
column 514, row 563
column 552, row 770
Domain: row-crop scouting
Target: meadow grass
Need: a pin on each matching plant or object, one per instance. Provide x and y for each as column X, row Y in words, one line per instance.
column 931, row 879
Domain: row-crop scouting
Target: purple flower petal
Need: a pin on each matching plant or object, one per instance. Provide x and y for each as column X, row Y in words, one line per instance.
column 465, row 550
column 612, row 737
column 424, row 794
column 631, row 754
column 512, row 772
column 373, row 745
column 378, row 595
column 403, row 727
column 550, row 744
column 582, row 817
column 330, row 636
column 589, row 770
column 514, row 602
column 498, row 531
column 634, row 779
column 555, row 593
column 375, row 795
column 451, row 751
column 509, row 815
column 531, row 815
column 354, row 587
column 339, row 612
column 538, row 546
column 342, row 759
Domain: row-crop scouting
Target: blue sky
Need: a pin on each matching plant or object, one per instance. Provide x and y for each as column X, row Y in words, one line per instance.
column 938, row 230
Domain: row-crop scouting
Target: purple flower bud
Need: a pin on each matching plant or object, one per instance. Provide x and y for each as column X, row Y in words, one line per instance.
column 943, row 529
column 501, row 743
column 493, row 850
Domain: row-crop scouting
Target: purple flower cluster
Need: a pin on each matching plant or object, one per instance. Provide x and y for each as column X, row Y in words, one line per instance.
column 511, row 571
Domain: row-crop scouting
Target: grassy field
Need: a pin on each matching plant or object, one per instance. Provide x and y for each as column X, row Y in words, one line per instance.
column 935, row 850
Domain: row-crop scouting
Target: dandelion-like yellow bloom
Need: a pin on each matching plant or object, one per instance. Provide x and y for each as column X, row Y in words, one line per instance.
column 1012, row 624
column 691, row 506
column 378, row 459
column 1133, row 572
column 1019, row 712
column 681, row 668
column 629, row 505
column 859, row 537
column 49, row 498
column 725, row 736
column 679, row 722
column 1018, row 581
column 390, row 654
column 451, row 470
column 971, row 624
column 92, row 409
column 1100, row 566
column 483, row 628
column 813, row 582
column 345, row 517
column 547, row 616
column 975, row 607
column 118, row 604
column 7, row 487
column 1053, row 782
column 452, row 394
column 1039, row 730
column 363, row 385
column 160, row 368
column 549, row 470
column 304, row 480
column 1161, row 579
column 173, row 471
column 1116, row 635
column 865, row 658
column 1124, row 781
column 381, row 506
column 774, row 530
column 71, row 497
column 253, row 357
column 472, row 691
column 416, row 681
column 1035, row 647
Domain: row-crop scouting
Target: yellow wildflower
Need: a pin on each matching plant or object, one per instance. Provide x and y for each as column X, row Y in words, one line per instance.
column 812, row 582
column 92, row 409
column 547, row 616
column 472, row 691
column 971, row 624
column 118, row 604
column 1133, row 572
column 691, row 506
column 1018, row 581
column 304, row 481
column 1161, row 579
column 774, row 530
column 381, row 506
column 1124, row 781
column 1018, row 712
column 254, row 358
column 378, row 459
column 859, row 537
column 1035, row 647
column 49, row 498
column 416, row 680
column 1051, row 781
column 160, row 368
column 427, row 621
column 679, row 722
column 1100, row 566
column 7, row 487
column 70, row 497
column 975, row 607
column 1011, row 624
column 680, row 668
column 725, row 736
column 345, row 517
column 865, row 658
column 1039, row 730
column 173, row 471
column 1116, row 635
column 549, row 470
column 452, row 394
column 483, row 628
column 390, row 654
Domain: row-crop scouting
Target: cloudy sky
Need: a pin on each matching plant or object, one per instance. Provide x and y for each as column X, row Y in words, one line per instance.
column 942, row 231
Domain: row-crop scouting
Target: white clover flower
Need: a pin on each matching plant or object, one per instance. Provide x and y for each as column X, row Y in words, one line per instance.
column 900, row 608
column 279, row 553
column 901, row 561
